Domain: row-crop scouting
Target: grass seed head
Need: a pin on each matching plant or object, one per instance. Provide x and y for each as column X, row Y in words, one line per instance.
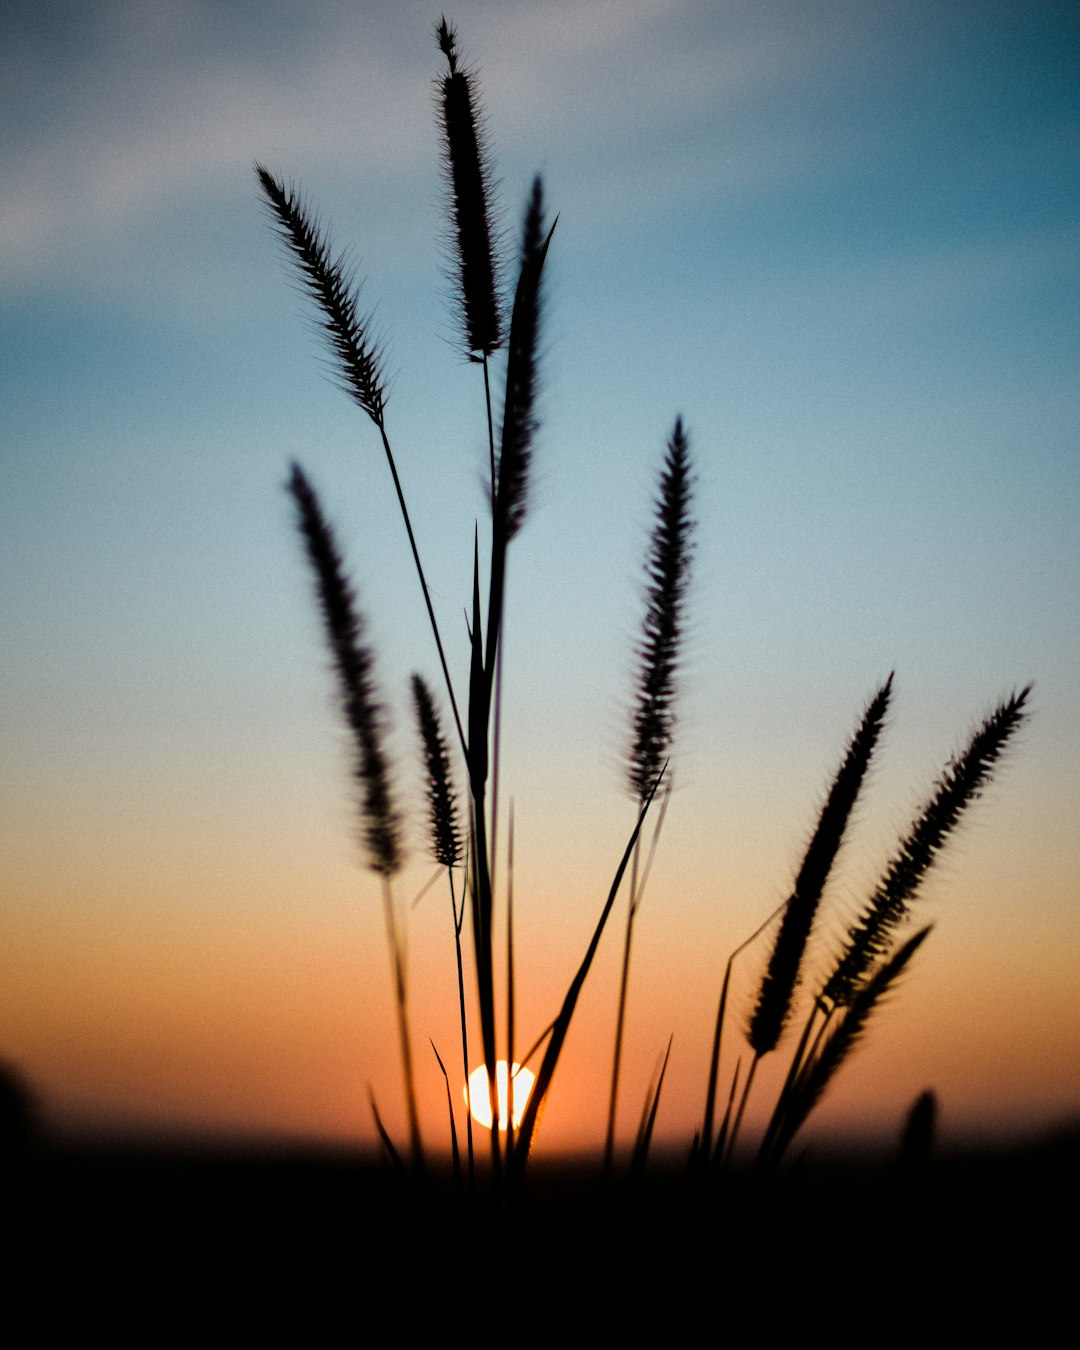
column 467, row 167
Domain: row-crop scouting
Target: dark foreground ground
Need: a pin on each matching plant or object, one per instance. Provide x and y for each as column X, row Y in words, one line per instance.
column 135, row 1238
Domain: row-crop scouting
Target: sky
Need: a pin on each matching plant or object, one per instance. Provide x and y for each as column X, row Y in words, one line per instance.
column 839, row 239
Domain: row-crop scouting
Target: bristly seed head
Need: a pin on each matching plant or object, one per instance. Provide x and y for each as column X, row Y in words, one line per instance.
column 331, row 283
column 781, row 975
column 961, row 782
column 519, row 420
column 442, row 806
column 667, row 569
column 467, row 165
column 355, row 670
column 446, row 37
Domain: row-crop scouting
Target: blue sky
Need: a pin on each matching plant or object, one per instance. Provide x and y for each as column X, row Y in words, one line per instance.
column 841, row 240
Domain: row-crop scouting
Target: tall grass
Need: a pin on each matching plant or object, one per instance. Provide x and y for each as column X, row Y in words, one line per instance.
column 824, row 1008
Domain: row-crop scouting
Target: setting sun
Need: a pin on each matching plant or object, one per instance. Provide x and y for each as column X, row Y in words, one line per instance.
column 478, row 1096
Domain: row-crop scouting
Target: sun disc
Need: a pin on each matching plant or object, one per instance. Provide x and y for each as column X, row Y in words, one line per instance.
column 478, row 1095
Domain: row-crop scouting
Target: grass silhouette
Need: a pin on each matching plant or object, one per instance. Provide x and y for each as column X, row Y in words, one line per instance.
column 500, row 321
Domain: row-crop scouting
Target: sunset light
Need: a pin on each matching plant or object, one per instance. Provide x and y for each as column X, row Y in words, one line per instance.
column 547, row 530
column 797, row 434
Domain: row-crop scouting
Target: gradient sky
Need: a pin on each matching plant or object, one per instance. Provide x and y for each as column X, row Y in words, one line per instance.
column 842, row 240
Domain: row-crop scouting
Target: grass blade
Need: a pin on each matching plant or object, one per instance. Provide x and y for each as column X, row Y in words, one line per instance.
column 388, row 1143
column 561, row 1024
column 648, row 1121
column 510, row 996
column 454, row 1151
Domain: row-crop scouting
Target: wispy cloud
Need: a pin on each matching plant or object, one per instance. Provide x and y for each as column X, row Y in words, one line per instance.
column 123, row 114
column 135, row 116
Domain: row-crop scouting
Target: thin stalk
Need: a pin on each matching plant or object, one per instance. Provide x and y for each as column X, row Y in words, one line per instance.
column 561, row 1025
column 539, row 1041
column 804, row 1052
column 831, row 1052
column 714, row 1061
column 459, row 919
column 496, row 746
column 431, row 881
column 454, row 1151
column 742, row 1107
column 720, row 1152
column 648, row 1121
column 384, row 1135
column 397, row 962
column 485, row 979
column 620, row 1017
column 490, row 423
column 510, row 985
column 496, row 760
column 637, row 891
column 714, row 1066
column 481, row 890
column 646, row 871
column 482, row 926
column 423, row 584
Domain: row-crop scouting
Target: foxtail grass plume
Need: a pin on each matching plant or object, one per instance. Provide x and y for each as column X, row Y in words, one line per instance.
column 668, row 571
column 776, row 993
column 467, row 165
column 332, row 284
column 519, row 422
column 961, row 783
column 354, row 664
column 442, row 805
column 667, row 567
column 872, row 955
